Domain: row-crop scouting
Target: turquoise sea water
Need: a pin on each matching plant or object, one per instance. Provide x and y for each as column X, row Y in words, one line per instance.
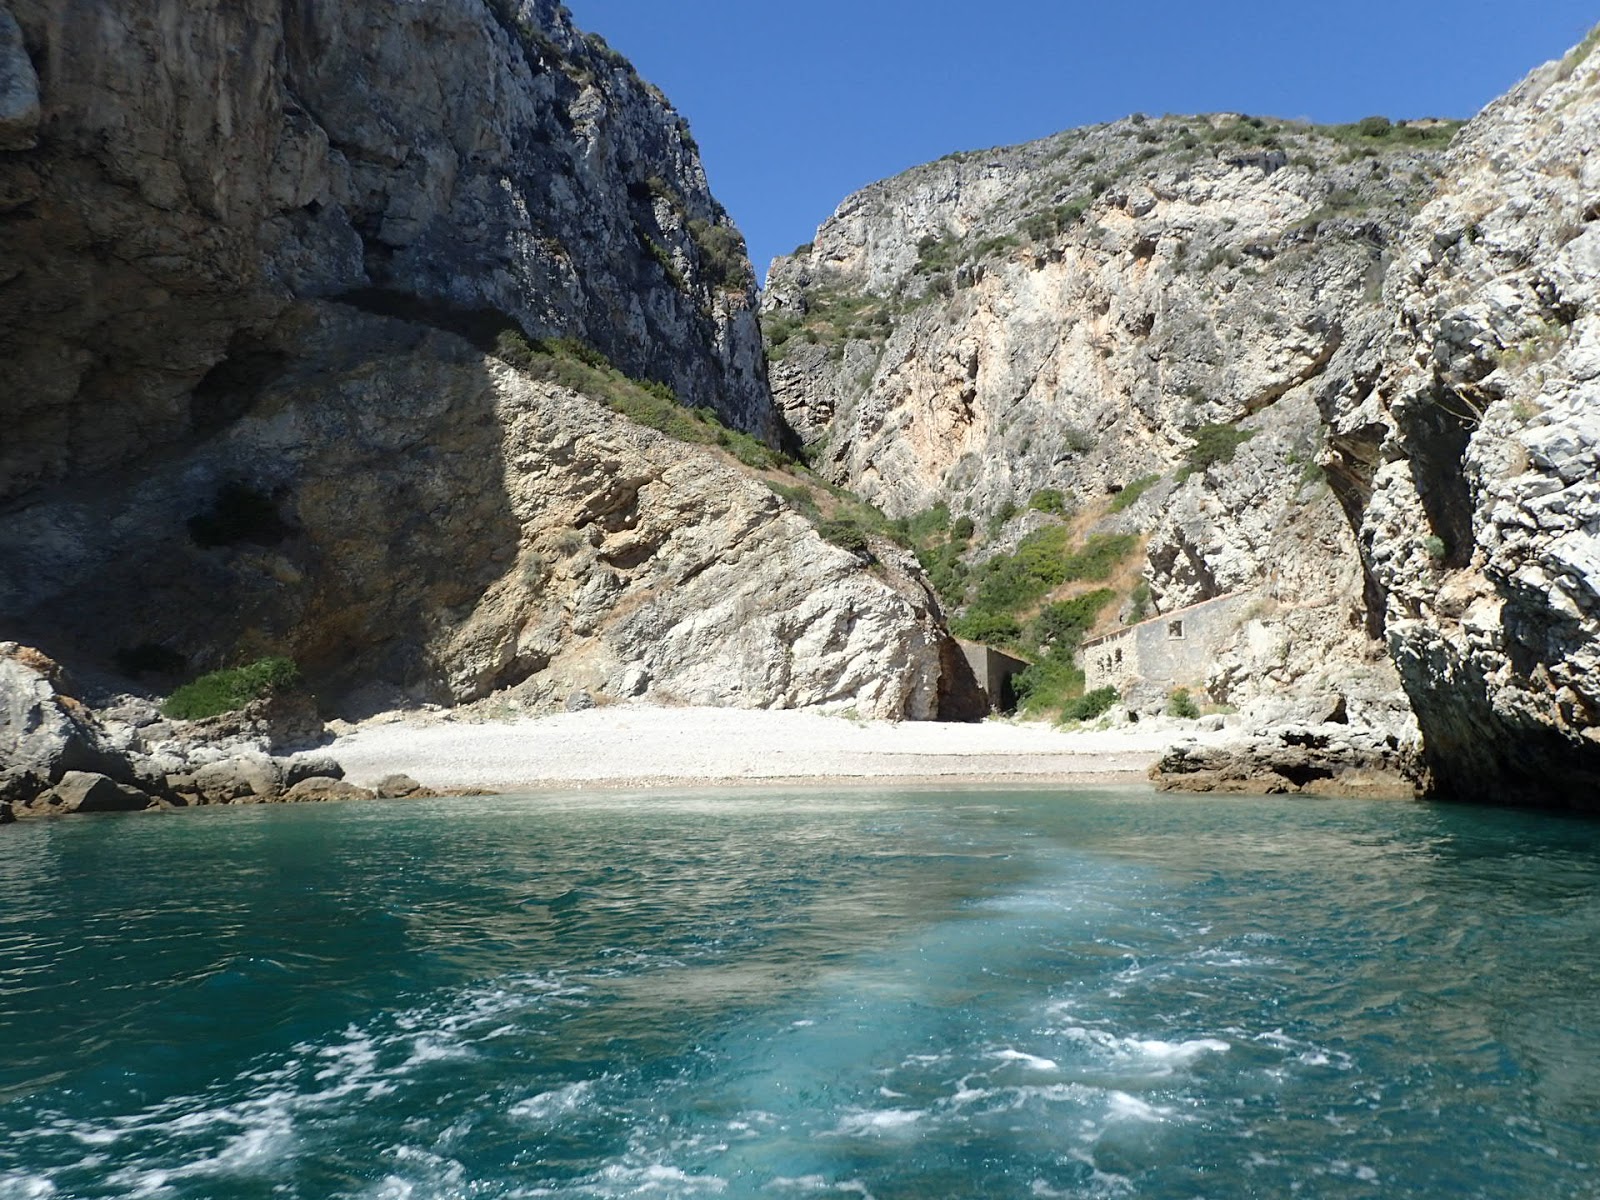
column 931, row 994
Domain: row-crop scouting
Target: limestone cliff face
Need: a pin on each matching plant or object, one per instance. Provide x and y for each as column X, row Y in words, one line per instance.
column 1473, row 461
column 174, row 175
column 430, row 519
column 251, row 257
column 1071, row 313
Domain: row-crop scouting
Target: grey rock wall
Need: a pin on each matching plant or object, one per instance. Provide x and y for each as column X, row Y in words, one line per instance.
column 174, row 175
column 414, row 515
column 1476, row 455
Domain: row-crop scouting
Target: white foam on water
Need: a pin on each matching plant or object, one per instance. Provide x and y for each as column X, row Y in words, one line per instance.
column 420, row 1176
column 427, row 1049
column 874, row 1122
column 819, row 1183
column 25, row 1187
column 1130, row 1107
column 1146, row 1053
column 657, row 1179
column 247, row 1126
column 558, row 1103
column 1032, row 1061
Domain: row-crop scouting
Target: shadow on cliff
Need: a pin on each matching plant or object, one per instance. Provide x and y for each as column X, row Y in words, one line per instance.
column 347, row 509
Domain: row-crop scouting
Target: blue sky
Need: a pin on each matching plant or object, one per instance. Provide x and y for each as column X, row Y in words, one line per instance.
column 797, row 105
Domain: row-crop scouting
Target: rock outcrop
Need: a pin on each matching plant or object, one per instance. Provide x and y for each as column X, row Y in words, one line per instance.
column 173, row 176
column 61, row 754
column 258, row 260
column 1073, row 314
column 1473, row 463
column 1325, row 759
column 433, row 519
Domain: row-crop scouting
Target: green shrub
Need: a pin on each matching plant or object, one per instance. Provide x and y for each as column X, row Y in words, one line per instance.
column 1375, row 127
column 230, row 690
column 1089, row 706
column 997, row 519
column 1139, row 602
column 1130, row 494
column 1042, row 226
column 1181, row 704
column 1099, row 557
column 988, row 626
column 799, row 497
column 847, row 535
column 1214, row 444
column 935, row 254
column 1048, row 500
column 722, row 254
column 1059, row 627
column 1042, row 561
column 1434, row 547
column 1579, row 54
column 1047, row 684
column 962, row 530
column 658, row 253
column 582, row 368
column 1078, row 439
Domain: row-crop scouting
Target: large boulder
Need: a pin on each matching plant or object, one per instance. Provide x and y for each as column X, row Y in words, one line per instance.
column 43, row 734
column 248, row 777
column 319, row 788
column 88, row 792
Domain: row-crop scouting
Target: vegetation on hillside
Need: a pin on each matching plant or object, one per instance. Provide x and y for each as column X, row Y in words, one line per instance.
column 232, row 689
column 579, row 366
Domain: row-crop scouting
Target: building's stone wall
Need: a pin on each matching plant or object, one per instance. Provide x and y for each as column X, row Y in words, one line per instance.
column 994, row 671
column 1176, row 649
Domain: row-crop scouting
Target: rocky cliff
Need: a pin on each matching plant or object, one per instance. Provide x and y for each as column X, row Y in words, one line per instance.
column 173, row 176
column 1168, row 305
column 327, row 330
column 1472, row 461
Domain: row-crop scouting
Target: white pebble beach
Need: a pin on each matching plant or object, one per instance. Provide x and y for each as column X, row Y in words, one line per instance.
column 629, row 745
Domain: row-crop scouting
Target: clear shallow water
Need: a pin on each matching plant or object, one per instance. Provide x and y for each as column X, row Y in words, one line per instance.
column 921, row 994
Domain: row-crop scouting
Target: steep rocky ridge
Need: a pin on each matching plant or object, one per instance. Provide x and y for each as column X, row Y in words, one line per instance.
column 1070, row 314
column 173, row 176
column 258, row 268
column 1472, row 463
column 441, row 522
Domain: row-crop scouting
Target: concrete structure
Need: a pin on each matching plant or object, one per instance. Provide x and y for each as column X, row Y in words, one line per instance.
column 1173, row 650
column 994, row 670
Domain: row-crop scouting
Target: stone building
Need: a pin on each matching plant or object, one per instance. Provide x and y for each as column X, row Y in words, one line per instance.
column 994, row 670
column 1175, row 649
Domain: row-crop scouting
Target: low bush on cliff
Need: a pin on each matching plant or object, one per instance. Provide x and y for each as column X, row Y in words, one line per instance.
column 1054, row 680
column 722, row 254
column 230, row 690
column 1129, row 495
column 1214, row 444
column 1181, row 704
column 581, row 368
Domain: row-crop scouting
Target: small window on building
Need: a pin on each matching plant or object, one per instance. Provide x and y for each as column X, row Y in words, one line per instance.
column 1119, row 658
column 1175, row 629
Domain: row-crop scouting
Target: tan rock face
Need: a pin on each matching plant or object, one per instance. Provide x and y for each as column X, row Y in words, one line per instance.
column 437, row 521
column 1476, row 458
column 1068, row 313
column 178, row 173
